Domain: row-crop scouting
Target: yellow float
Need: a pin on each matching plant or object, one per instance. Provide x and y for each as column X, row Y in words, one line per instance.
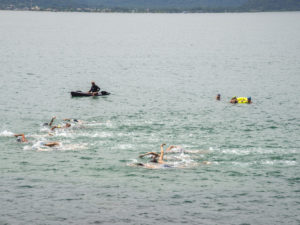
column 242, row 100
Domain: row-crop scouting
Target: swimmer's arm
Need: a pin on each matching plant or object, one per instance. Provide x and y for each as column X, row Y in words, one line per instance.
column 67, row 119
column 172, row 146
column 149, row 153
column 54, row 127
column 52, row 120
column 51, row 144
column 161, row 157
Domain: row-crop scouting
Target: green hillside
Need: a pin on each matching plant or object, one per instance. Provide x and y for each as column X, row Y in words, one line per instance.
column 272, row 5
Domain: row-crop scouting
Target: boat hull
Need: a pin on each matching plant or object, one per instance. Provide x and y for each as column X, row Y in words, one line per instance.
column 87, row 94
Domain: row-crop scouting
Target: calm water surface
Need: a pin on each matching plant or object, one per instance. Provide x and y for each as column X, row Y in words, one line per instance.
column 163, row 71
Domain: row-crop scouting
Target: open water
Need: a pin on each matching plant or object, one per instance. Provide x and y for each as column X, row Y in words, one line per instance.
column 164, row 71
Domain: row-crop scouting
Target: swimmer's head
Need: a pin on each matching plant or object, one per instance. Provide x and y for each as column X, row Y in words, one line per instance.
column 75, row 120
column 154, row 160
column 249, row 100
column 93, row 82
column 68, row 124
column 19, row 139
column 234, row 97
column 218, row 95
column 45, row 124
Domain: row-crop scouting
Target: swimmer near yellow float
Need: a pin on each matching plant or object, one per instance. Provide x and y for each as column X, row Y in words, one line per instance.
column 244, row 100
column 241, row 100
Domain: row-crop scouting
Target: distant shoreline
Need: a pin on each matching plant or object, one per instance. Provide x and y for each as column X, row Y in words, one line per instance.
column 145, row 11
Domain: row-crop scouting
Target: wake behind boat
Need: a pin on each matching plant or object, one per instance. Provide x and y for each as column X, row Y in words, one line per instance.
column 88, row 94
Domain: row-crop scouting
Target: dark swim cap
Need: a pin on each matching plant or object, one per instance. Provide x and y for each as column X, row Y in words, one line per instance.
column 45, row 124
column 19, row 139
column 219, row 95
column 249, row 98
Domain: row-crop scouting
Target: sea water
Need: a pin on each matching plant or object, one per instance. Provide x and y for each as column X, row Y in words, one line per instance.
column 163, row 72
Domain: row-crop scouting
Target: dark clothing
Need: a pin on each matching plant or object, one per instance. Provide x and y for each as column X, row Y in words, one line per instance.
column 94, row 88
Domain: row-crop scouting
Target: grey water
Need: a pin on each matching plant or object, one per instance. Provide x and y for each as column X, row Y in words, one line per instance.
column 163, row 72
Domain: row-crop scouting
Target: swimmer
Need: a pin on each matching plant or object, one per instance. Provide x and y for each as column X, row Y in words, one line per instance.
column 249, row 100
column 66, row 126
column 175, row 147
column 20, row 137
column 234, row 100
column 72, row 120
column 51, row 144
column 156, row 158
column 156, row 161
column 51, row 122
column 218, row 97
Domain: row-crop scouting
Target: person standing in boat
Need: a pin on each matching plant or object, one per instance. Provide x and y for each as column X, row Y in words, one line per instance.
column 94, row 89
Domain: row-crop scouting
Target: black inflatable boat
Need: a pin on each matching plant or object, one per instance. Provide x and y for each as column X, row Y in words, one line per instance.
column 87, row 94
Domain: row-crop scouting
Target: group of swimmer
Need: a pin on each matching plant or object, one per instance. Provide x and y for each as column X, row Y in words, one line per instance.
column 94, row 90
column 235, row 100
column 22, row 138
column 156, row 159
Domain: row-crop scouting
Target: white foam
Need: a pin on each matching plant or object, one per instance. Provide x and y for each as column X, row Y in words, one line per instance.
column 248, row 151
column 39, row 136
column 73, row 147
column 44, row 149
column 287, row 162
column 176, row 149
column 290, row 163
column 236, row 151
column 44, row 129
column 63, row 133
column 125, row 146
column 95, row 123
column 38, row 144
column 6, row 133
column 241, row 164
column 27, row 148
column 103, row 135
column 196, row 151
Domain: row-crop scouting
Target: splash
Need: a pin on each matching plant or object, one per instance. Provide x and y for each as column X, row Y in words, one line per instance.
column 6, row 133
column 73, row 147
